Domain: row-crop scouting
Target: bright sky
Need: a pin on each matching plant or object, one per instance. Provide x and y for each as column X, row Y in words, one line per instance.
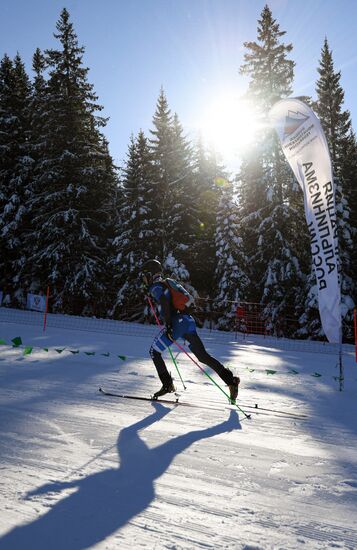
column 193, row 48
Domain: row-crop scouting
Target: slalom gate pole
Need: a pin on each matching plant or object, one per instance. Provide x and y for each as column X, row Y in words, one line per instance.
column 160, row 325
column 199, row 366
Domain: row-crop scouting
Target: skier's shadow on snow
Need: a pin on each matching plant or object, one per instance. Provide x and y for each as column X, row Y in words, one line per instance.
column 105, row 501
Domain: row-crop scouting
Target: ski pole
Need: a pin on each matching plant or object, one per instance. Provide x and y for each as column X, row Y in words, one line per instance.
column 212, row 380
column 198, row 365
column 160, row 325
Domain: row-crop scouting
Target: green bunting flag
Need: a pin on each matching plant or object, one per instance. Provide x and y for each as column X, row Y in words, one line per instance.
column 17, row 341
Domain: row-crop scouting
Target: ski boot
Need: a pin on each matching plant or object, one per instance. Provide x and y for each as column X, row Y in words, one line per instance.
column 233, row 389
column 166, row 388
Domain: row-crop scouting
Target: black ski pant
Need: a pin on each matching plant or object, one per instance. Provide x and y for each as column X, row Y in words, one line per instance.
column 198, row 349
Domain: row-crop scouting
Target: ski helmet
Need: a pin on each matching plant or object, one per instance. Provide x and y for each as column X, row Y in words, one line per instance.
column 151, row 268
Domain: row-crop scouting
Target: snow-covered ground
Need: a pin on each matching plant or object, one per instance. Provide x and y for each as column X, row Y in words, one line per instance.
column 80, row 470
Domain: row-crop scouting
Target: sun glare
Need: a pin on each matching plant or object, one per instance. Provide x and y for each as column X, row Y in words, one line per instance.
column 229, row 124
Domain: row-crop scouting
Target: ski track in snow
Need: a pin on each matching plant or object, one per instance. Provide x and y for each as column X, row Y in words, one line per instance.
column 82, row 470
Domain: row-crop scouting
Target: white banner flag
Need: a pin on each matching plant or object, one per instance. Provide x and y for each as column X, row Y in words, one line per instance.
column 305, row 147
column 36, row 302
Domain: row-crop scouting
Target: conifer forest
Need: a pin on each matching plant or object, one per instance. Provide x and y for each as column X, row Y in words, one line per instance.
column 74, row 221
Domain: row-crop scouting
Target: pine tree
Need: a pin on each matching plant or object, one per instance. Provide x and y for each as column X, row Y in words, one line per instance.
column 75, row 184
column 184, row 218
column 336, row 124
column 349, row 174
column 162, row 153
column 271, row 73
column 15, row 168
column 39, row 114
column 173, row 191
column 271, row 212
column 231, row 261
column 252, row 206
column 136, row 230
column 37, row 147
column 209, row 173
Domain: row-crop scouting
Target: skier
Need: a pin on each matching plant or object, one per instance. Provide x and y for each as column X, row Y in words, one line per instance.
column 178, row 324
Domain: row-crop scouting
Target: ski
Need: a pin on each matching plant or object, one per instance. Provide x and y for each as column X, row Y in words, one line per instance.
column 151, row 399
column 176, row 401
column 287, row 413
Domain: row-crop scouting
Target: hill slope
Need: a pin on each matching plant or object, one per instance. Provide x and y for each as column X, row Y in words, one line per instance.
column 80, row 470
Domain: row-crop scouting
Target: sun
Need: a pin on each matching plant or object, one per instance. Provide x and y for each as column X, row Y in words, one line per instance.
column 229, row 124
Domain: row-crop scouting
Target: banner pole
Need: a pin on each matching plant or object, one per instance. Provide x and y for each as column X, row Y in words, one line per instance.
column 46, row 310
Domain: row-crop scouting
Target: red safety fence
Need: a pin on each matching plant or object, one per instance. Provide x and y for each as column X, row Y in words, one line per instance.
column 245, row 318
column 250, row 320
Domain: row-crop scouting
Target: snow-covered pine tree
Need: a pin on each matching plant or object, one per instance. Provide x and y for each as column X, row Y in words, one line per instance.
column 75, row 184
column 184, row 218
column 349, row 174
column 15, row 170
column 231, row 279
column 38, row 104
column 37, row 146
column 271, row 72
column 173, row 191
column 271, row 75
column 209, row 172
column 336, row 124
column 135, row 240
column 252, row 204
